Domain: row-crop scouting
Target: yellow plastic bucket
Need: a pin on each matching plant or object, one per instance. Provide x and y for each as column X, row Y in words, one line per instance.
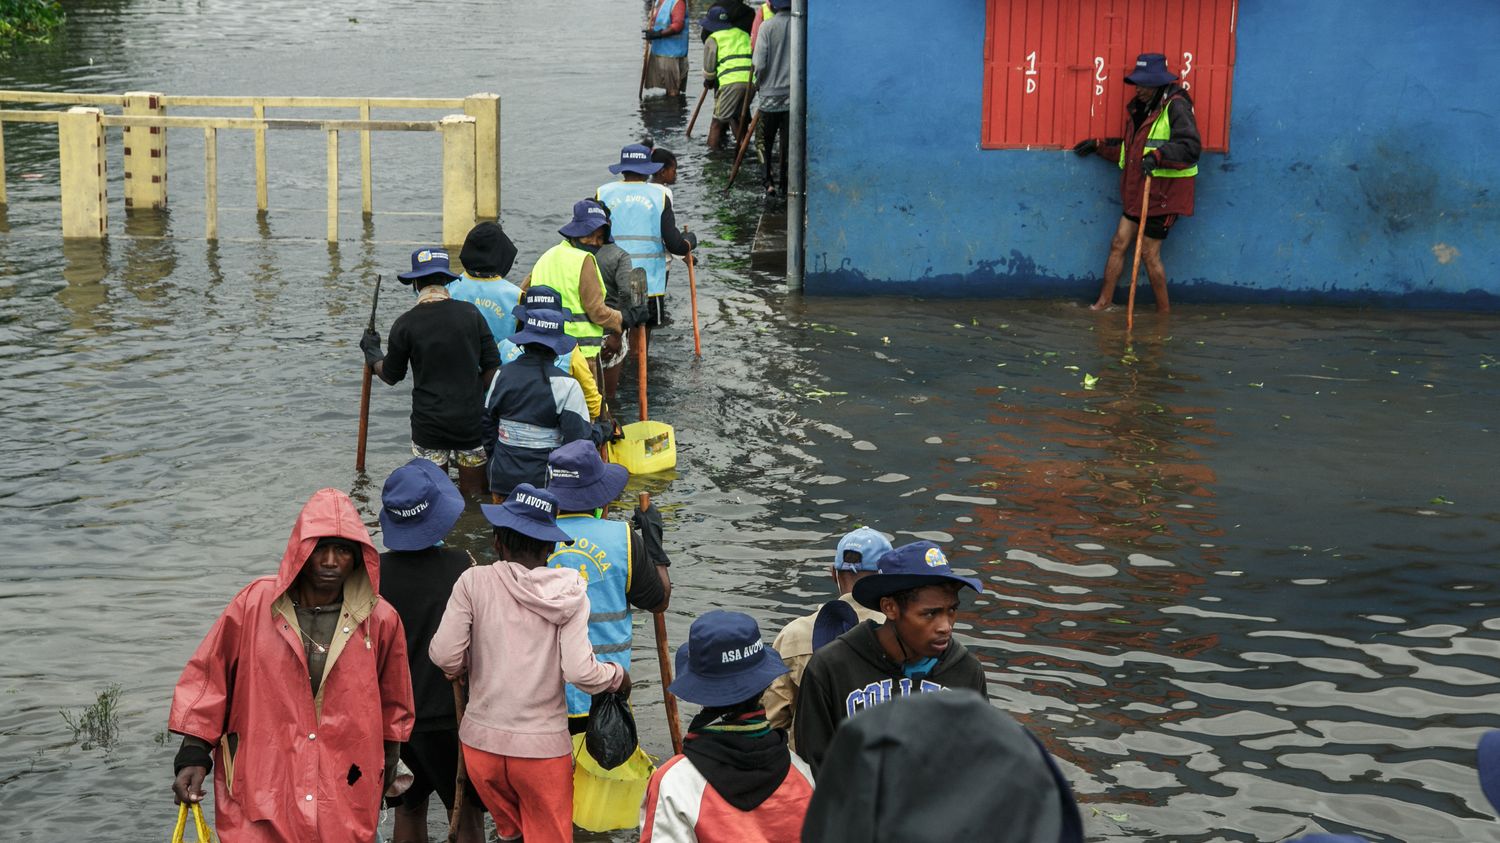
column 648, row 447
column 608, row 800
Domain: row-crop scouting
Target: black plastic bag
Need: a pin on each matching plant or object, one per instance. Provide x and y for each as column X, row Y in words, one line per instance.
column 611, row 737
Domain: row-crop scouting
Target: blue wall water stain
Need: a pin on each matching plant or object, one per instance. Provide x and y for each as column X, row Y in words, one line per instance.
column 1360, row 169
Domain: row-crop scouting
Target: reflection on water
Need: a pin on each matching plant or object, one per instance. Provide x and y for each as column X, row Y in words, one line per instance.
column 1241, row 582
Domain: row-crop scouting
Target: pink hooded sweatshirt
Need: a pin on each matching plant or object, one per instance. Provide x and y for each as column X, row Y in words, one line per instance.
column 520, row 633
column 291, row 766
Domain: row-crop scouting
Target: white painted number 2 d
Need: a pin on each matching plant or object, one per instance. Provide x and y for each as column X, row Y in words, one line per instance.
column 1031, row 72
column 1100, row 77
column 1187, row 67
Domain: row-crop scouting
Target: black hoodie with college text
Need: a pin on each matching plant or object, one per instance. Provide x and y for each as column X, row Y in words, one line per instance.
column 853, row 673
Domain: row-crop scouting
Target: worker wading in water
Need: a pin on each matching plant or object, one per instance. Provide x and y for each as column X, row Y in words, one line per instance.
column 726, row 69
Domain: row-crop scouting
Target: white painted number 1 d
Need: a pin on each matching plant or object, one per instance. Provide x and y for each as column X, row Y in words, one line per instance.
column 1031, row 72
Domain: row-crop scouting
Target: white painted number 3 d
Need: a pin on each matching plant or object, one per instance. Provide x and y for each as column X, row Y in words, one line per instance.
column 1031, row 72
column 1187, row 67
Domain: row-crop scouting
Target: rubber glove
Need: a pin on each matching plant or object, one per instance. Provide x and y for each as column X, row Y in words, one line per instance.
column 369, row 343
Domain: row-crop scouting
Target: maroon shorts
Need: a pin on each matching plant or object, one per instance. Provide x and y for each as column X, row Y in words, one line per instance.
column 1156, row 227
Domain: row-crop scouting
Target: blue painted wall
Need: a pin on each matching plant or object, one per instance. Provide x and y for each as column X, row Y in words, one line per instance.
column 1362, row 166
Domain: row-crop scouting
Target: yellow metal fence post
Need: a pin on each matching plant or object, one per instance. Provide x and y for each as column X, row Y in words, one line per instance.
column 3, row 200
column 366, row 205
column 258, row 110
column 211, row 182
column 145, row 154
column 458, row 178
column 80, row 147
column 333, row 185
column 485, row 109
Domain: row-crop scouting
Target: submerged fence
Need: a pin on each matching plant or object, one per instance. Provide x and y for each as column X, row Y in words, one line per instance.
column 470, row 156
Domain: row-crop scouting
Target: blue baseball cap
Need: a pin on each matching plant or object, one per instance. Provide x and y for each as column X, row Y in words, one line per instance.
column 544, row 327
column 716, row 19
column 869, row 544
column 588, row 217
column 427, row 262
column 418, row 506
column 724, row 660
column 1489, row 767
column 541, row 297
column 580, row 480
column 1150, row 71
column 530, row 511
column 635, row 158
column 909, row 566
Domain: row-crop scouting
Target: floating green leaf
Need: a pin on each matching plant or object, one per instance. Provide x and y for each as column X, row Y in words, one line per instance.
column 1089, row 380
column 1439, row 499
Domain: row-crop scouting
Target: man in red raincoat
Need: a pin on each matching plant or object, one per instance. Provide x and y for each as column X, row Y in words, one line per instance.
column 300, row 692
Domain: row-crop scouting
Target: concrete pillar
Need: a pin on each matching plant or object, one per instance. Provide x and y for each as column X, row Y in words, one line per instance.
column 458, row 178
column 485, row 109
column 145, row 154
column 80, row 153
column 333, row 185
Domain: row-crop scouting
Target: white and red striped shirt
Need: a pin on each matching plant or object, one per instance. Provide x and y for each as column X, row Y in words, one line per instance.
column 681, row 807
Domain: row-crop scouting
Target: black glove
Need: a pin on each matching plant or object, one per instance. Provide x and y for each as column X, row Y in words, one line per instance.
column 651, row 34
column 1150, row 161
column 692, row 240
column 648, row 523
column 710, row 83
column 635, row 316
column 616, row 433
column 370, row 345
column 1086, row 147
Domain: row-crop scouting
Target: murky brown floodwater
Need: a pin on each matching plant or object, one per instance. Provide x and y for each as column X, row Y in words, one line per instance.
column 1244, row 586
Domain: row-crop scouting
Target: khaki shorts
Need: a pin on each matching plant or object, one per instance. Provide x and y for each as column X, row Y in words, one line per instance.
column 467, row 458
column 666, row 73
column 729, row 101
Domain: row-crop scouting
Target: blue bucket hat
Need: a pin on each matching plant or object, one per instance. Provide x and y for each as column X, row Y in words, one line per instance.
column 425, row 262
column 588, row 217
column 635, row 158
column 716, row 19
column 780, row 5
column 541, row 298
column 418, row 506
column 1150, row 71
column 530, row 511
column 909, row 566
column 724, row 661
column 544, row 327
column 869, row 544
column 1489, row 767
column 834, row 619
column 580, row 480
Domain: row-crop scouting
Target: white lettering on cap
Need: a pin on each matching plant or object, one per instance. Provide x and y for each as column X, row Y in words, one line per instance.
column 534, row 502
column 1140, row 64
column 543, row 323
column 595, row 209
column 416, row 510
column 741, row 653
column 565, row 473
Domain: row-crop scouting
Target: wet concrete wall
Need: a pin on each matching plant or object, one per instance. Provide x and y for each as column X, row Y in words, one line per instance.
column 1361, row 167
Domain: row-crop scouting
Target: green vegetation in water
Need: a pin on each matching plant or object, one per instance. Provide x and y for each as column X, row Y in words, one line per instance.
column 97, row 724
column 29, row 21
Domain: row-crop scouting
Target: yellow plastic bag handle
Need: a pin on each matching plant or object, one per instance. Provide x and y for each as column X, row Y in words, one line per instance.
column 205, row 834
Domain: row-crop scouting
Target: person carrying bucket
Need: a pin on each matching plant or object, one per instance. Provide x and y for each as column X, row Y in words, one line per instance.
column 518, row 630
column 856, row 557
column 736, row 778
column 532, row 408
column 570, row 363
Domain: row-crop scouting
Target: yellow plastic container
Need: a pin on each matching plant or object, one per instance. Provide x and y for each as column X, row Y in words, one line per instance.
column 648, row 447
column 608, row 800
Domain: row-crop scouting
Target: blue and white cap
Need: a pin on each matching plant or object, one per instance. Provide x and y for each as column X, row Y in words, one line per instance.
column 530, row 511
column 869, row 544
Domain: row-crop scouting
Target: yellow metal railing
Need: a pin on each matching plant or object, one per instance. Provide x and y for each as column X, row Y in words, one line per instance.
column 475, row 133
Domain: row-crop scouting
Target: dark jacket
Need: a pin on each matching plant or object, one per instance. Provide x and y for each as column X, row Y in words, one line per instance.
column 852, row 673
column 531, row 410
column 1168, row 196
column 937, row 768
column 417, row 584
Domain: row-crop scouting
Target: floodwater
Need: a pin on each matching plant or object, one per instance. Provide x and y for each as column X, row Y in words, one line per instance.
column 1243, row 586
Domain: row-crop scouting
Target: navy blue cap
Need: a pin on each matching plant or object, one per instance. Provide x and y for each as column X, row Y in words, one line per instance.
column 869, row 544
column 1150, row 71
column 580, row 480
column 834, row 619
column 544, row 327
column 529, row 511
column 426, row 262
column 909, row 566
column 588, row 217
column 716, row 19
column 418, row 506
column 541, row 297
column 635, row 158
column 724, row 660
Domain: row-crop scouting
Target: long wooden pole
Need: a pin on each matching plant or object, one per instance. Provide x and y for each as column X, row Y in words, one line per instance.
column 744, row 144
column 1135, row 267
column 693, row 300
column 461, row 781
column 702, row 95
column 364, row 391
column 659, row 620
column 645, row 63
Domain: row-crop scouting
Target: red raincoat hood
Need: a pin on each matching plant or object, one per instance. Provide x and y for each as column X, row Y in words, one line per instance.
column 328, row 513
